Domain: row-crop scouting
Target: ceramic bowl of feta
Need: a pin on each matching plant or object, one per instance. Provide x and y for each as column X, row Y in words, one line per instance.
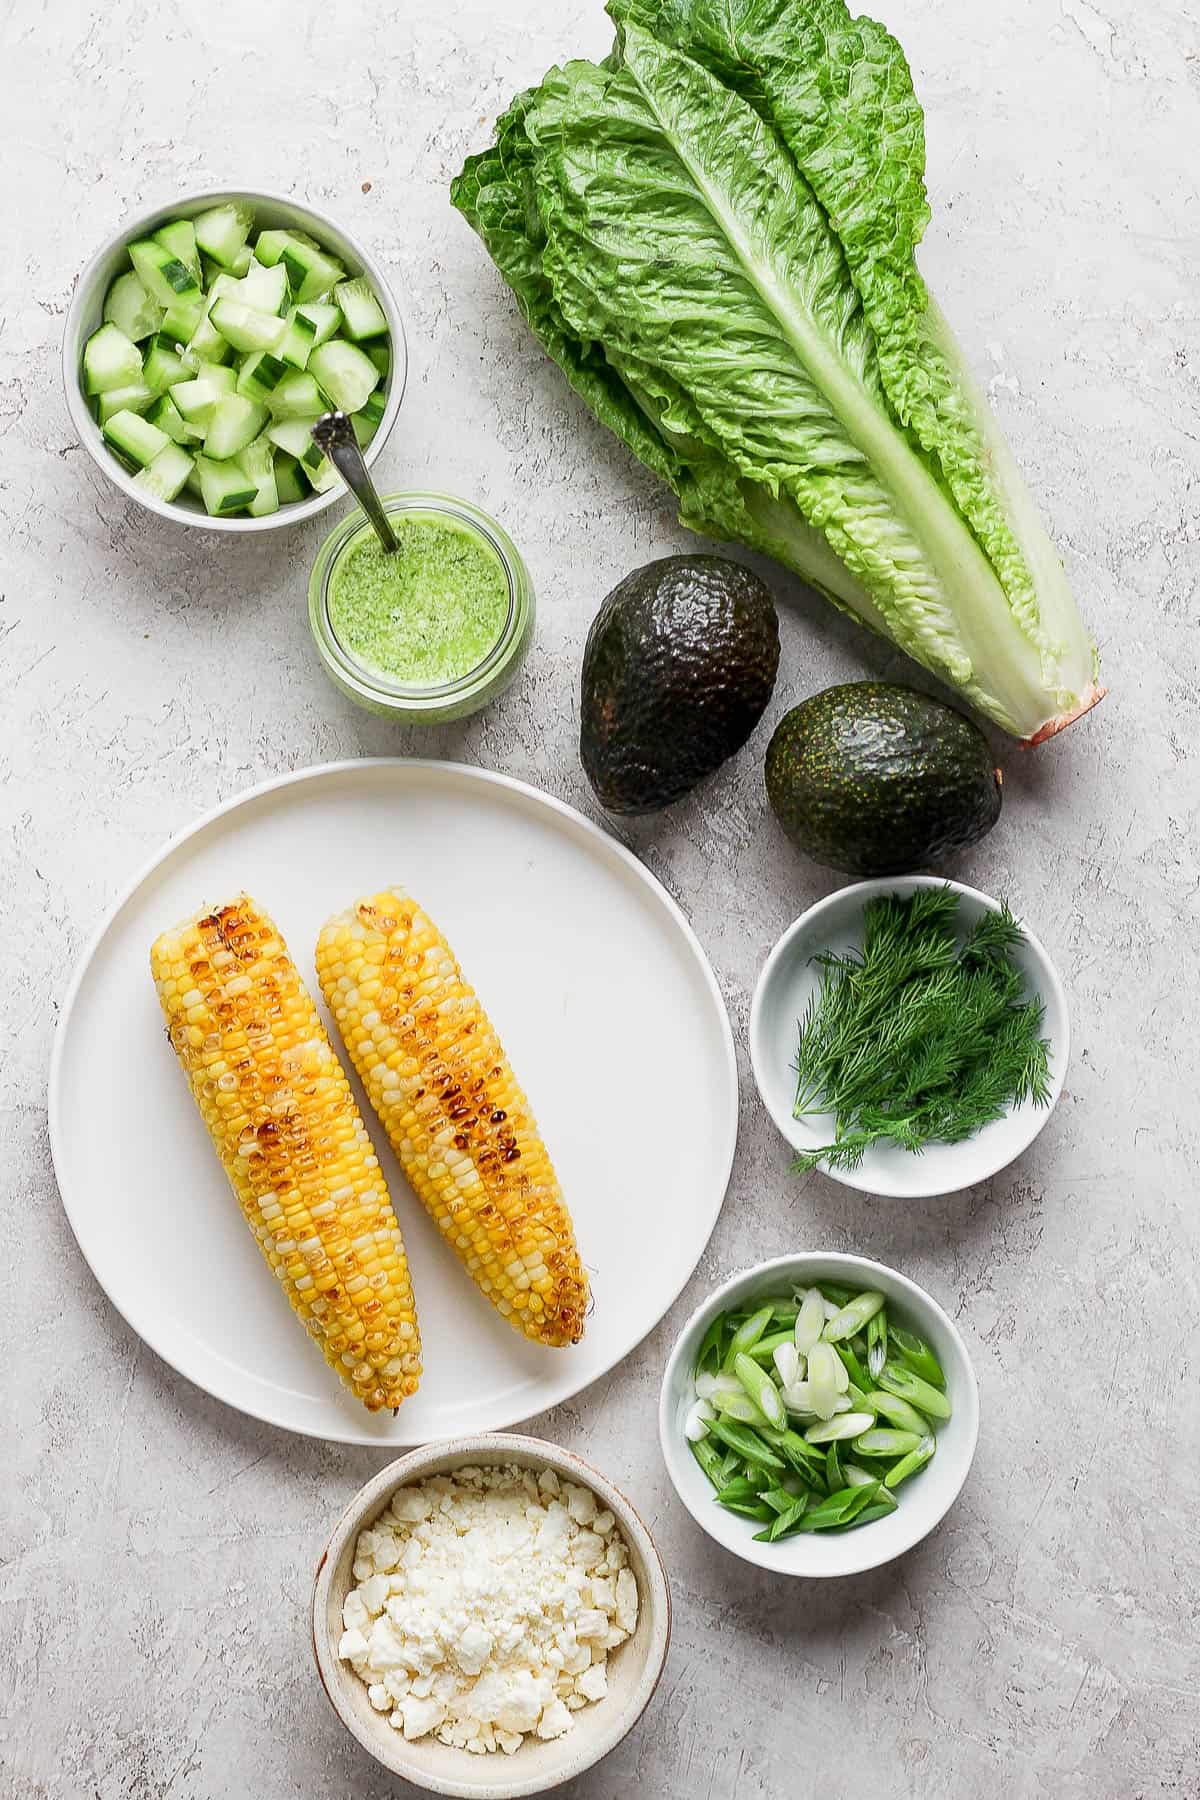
column 490, row 1617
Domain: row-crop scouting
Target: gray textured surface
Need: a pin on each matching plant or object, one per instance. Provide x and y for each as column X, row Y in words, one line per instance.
column 157, row 1549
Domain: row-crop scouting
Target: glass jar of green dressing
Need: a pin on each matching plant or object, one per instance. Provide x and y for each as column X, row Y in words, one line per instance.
column 433, row 632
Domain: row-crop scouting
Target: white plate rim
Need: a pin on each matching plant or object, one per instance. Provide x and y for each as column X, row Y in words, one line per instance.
column 608, row 844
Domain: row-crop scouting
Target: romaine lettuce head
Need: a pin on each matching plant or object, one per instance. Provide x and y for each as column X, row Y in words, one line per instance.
column 713, row 234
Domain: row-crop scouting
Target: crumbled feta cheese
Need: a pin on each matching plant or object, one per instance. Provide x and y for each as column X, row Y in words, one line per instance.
column 485, row 1605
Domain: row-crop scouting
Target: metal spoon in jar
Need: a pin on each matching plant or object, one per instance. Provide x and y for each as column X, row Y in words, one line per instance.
column 333, row 434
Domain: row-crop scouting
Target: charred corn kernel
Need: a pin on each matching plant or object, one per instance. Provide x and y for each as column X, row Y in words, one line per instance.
column 278, row 1106
column 435, row 1072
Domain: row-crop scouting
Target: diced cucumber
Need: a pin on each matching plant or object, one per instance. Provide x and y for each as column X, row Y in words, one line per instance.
column 360, row 309
column 182, row 320
column 295, row 436
column 129, row 307
column 221, row 233
column 135, row 437
column 310, row 272
column 270, row 245
column 366, row 422
column 260, row 374
column 264, row 290
column 223, row 486
column 300, row 339
column 196, row 401
column 234, row 423
column 345, row 373
column 110, row 359
column 257, row 462
column 221, row 377
column 241, row 263
column 166, row 415
column 136, row 398
column 179, row 237
column 297, row 396
column 246, row 329
column 166, row 475
column 324, row 476
column 325, row 318
column 163, row 276
column 380, row 355
column 290, row 483
column 163, row 367
column 192, row 484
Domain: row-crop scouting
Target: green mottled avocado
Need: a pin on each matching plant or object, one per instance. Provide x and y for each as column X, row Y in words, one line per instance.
column 878, row 780
column 679, row 665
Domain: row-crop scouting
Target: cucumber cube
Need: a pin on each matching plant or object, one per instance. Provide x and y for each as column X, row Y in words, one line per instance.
column 164, row 277
column 135, row 438
column 110, row 360
column 221, row 232
column 136, row 399
column 297, row 396
column 380, row 355
column 324, row 317
column 196, row 401
column 295, row 436
column 290, row 483
column 264, row 290
column 344, row 372
column 246, row 329
column 128, row 306
column 180, row 321
column 164, row 366
column 164, row 413
column 260, row 375
column 233, row 423
column 179, row 237
column 310, row 273
column 167, row 474
column 300, row 339
column 361, row 310
column 223, row 487
column 257, row 462
column 271, row 244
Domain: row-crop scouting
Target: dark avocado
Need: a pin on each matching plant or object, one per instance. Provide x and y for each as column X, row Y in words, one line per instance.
column 878, row 780
column 678, row 668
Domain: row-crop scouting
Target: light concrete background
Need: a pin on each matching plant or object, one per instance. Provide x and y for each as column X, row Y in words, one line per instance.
column 157, row 1549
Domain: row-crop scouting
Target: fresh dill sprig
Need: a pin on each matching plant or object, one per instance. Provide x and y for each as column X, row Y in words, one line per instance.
column 924, row 1036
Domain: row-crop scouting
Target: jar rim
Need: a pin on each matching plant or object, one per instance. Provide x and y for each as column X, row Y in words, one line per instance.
column 375, row 684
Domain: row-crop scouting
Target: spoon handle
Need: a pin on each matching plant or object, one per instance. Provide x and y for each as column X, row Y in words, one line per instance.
column 334, row 435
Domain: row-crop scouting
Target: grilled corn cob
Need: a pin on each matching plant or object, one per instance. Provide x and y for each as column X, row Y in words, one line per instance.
column 435, row 1071
column 278, row 1106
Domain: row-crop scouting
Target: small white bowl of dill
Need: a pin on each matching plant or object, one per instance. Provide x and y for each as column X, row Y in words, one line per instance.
column 909, row 1037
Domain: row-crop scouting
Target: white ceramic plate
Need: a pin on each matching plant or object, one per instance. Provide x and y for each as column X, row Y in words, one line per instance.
column 789, row 979
column 604, row 1000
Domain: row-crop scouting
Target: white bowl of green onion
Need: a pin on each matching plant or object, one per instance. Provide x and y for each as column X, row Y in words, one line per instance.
column 819, row 1414
column 205, row 337
column 909, row 1037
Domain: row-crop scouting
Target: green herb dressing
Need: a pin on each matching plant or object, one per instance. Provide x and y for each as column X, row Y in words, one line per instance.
column 427, row 615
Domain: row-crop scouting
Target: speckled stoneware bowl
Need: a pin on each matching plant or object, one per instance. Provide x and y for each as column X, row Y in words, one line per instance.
column 86, row 313
column 536, row 1768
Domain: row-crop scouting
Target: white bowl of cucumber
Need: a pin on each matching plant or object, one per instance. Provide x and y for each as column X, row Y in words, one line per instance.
column 205, row 337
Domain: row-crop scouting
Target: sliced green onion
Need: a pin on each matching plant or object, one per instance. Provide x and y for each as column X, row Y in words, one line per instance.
column 881, row 1441
column 854, row 1369
column 788, row 1363
column 747, row 1444
column 761, row 1390
column 709, row 1458
column 898, row 1412
column 764, row 1350
column 898, row 1380
column 853, row 1316
column 810, row 1321
column 916, row 1353
column 709, row 1354
column 695, row 1425
column 908, row 1465
column 741, row 1408
column 877, row 1342
column 748, row 1334
column 849, row 1425
column 839, row 1509
column 785, row 1524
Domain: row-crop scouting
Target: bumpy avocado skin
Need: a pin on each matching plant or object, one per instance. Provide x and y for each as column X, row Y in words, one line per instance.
column 875, row 779
column 679, row 665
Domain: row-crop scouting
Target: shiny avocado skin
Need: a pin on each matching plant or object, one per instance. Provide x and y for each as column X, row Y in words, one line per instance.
column 678, row 668
column 875, row 779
